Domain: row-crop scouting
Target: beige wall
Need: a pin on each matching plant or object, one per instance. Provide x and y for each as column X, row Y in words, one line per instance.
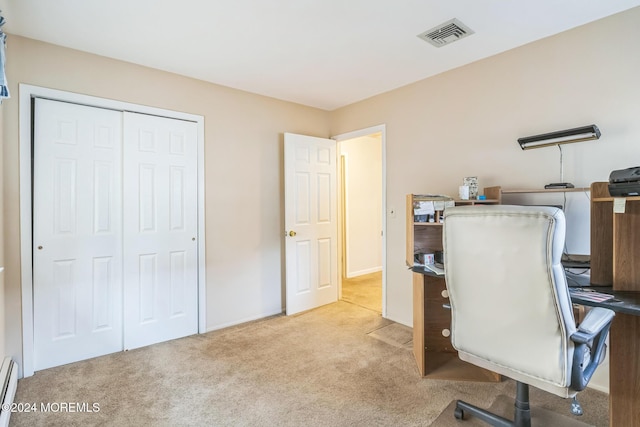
column 243, row 161
column 363, row 210
column 466, row 122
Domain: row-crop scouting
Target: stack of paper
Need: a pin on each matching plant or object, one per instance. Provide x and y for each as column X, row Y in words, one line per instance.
column 590, row 295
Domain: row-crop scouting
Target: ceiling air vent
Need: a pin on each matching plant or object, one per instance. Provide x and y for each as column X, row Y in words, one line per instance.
column 446, row 33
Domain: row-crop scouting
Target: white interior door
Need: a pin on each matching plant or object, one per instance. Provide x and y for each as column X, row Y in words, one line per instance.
column 77, row 233
column 160, row 229
column 310, row 222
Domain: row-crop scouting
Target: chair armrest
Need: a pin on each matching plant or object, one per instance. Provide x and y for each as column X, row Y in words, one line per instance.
column 596, row 319
column 590, row 345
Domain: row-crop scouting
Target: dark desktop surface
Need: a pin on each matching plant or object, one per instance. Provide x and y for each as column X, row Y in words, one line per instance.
column 421, row 270
column 574, row 280
column 627, row 302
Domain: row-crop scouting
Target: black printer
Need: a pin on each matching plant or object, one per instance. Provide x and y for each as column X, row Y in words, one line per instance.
column 625, row 182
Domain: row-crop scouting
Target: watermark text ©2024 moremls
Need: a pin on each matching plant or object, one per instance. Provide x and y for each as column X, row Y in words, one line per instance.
column 53, row 407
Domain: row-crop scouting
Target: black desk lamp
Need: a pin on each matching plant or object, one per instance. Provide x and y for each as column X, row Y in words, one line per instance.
column 584, row 133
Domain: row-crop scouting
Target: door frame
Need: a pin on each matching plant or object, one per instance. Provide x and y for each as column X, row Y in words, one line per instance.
column 26, row 96
column 382, row 129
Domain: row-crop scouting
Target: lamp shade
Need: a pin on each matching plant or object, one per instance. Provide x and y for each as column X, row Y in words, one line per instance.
column 584, row 133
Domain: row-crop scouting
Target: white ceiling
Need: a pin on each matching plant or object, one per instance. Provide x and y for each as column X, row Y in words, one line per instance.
column 321, row 53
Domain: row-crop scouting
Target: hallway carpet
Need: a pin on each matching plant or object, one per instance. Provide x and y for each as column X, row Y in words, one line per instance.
column 365, row 291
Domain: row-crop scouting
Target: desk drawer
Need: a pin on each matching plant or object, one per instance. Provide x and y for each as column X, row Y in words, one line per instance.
column 437, row 318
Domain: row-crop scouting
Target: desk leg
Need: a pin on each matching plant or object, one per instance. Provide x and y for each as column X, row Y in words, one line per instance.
column 418, row 322
column 624, row 371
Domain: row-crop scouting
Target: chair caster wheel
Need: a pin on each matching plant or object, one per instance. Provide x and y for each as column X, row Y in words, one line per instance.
column 458, row 413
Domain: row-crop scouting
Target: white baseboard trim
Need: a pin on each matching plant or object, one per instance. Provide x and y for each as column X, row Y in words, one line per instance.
column 244, row 320
column 352, row 274
column 8, row 387
column 599, row 387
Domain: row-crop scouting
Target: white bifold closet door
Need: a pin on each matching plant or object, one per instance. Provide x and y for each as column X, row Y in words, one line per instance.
column 115, row 222
column 160, row 229
column 77, row 233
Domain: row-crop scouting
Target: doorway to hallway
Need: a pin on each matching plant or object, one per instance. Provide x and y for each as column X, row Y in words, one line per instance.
column 362, row 218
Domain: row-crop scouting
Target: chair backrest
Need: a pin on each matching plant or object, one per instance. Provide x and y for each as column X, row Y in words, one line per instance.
column 511, row 309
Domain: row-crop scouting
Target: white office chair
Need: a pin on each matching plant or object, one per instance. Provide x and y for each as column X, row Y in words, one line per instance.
column 510, row 306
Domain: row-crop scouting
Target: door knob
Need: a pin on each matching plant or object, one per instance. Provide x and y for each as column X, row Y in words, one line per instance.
column 39, row 247
column 292, row 233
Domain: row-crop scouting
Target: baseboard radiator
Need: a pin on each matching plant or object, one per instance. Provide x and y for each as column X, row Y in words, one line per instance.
column 8, row 386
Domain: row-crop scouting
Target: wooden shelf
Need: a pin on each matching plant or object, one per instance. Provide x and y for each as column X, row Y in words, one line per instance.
column 614, row 241
column 547, row 190
column 426, row 237
column 610, row 199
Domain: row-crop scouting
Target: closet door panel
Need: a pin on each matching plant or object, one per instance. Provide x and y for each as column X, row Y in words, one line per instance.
column 160, row 229
column 77, row 232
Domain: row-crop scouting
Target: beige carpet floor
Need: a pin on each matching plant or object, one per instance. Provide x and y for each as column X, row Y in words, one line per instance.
column 339, row 365
column 365, row 291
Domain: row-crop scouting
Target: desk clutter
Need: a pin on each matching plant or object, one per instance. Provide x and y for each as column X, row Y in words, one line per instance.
column 430, row 207
column 435, row 268
column 425, row 218
column 588, row 295
column 469, row 188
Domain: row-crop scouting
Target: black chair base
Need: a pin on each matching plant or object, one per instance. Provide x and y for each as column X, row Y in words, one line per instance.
column 522, row 415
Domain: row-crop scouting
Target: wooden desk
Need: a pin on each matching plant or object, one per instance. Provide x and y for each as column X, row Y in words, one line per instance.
column 624, row 355
column 435, row 356
column 615, row 249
